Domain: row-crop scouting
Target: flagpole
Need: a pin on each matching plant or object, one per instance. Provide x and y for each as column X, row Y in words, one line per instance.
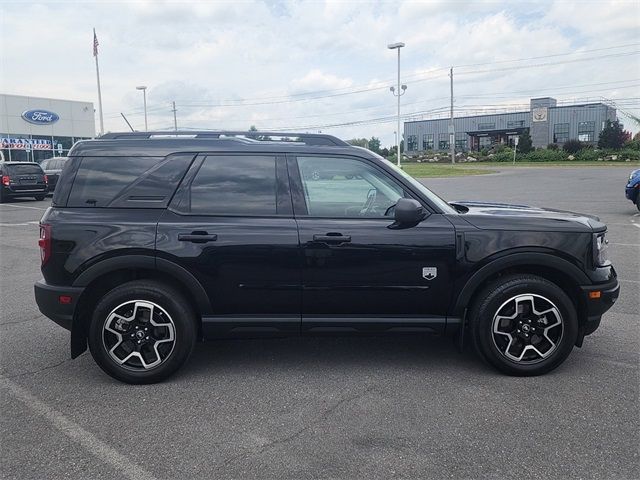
column 98, row 77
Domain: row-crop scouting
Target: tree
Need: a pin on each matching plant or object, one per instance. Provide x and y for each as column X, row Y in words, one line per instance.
column 612, row 135
column 253, row 128
column 358, row 142
column 524, row 142
column 374, row 144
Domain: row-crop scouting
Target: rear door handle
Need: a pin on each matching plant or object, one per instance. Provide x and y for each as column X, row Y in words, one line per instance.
column 332, row 238
column 197, row 237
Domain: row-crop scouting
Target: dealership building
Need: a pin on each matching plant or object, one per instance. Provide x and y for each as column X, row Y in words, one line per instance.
column 34, row 128
column 546, row 121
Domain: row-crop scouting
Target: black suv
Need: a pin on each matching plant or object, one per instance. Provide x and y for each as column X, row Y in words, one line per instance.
column 154, row 242
column 22, row 179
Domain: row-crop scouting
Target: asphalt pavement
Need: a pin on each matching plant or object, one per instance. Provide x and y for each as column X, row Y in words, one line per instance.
column 376, row 408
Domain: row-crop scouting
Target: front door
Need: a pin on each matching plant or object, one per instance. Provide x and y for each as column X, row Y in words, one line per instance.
column 231, row 224
column 358, row 273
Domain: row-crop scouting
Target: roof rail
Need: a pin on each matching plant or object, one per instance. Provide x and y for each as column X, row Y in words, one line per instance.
column 306, row 138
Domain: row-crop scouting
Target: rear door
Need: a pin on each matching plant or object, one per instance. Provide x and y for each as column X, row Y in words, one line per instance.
column 231, row 224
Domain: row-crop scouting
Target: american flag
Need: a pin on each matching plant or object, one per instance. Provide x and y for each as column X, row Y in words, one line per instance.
column 95, row 43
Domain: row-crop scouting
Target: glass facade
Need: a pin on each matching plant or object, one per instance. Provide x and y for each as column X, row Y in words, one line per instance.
column 35, row 148
column 443, row 141
column 412, row 143
column 427, row 141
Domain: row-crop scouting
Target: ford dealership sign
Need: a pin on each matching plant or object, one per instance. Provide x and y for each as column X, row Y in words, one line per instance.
column 40, row 117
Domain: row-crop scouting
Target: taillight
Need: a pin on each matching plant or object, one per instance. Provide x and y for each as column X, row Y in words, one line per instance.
column 45, row 242
column 5, row 180
column 46, row 179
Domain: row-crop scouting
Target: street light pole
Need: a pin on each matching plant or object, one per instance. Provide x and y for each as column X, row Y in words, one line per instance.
column 400, row 92
column 144, row 96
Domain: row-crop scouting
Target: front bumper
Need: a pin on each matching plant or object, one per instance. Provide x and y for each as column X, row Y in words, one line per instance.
column 598, row 299
column 48, row 298
column 631, row 192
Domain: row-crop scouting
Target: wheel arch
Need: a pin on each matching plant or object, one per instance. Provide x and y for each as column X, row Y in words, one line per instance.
column 103, row 276
column 550, row 267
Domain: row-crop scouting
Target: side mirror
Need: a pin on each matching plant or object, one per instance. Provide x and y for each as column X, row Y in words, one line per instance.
column 408, row 212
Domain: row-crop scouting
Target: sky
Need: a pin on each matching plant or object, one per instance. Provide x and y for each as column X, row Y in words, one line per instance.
column 320, row 65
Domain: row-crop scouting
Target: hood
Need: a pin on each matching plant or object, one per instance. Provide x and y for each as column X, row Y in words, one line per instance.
column 503, row 216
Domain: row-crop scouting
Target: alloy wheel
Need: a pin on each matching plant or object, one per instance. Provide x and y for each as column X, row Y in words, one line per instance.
column 139, row 335
column 527, row 328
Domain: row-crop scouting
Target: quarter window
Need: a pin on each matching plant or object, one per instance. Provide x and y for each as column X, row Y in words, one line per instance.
column 345, row 187
column 234, row 185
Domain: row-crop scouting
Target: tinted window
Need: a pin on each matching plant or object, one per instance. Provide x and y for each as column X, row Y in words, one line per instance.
column 344, row 187
column 25, row 169
column 235, row 185
column 100, row 179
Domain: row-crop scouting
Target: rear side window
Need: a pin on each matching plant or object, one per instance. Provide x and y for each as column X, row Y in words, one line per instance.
column 99, row 180
column 234, row 185
column 24, row 169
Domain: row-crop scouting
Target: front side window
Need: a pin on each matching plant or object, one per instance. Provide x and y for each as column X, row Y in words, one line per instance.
column 234, row 185
column 345, row 187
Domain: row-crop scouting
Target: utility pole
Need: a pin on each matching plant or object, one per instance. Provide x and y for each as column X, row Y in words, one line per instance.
column 401, row 90
column 452, row 132
column 175, row 119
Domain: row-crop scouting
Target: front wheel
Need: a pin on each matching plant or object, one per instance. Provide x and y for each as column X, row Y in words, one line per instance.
column 142, row 332
column 524, row 325
column 40, row 197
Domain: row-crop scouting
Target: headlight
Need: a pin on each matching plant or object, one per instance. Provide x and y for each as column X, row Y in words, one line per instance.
column 600, row 250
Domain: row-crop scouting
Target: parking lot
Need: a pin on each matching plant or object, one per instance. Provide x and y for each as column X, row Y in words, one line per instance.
column 394, row 407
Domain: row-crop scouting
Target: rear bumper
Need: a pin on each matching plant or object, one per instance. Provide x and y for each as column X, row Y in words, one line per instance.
column 596, row 304
column 27, row 192
column 48, row 300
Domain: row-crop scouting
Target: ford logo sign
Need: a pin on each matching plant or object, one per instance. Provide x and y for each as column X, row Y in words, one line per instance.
column 40, row 117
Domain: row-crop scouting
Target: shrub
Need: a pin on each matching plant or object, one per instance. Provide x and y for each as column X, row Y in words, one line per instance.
column 543, row 155
column 524, row 142
column 588, row 155
column 552, row 146
column 573, row 146
column 503, row 156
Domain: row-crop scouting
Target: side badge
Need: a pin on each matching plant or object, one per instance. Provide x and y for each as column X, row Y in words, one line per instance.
column 429, row 273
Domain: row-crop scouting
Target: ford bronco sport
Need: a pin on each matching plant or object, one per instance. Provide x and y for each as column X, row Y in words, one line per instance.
column 155, row 241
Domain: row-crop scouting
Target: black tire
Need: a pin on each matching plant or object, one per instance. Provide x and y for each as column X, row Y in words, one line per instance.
column 167, row 302
column 504, row 296
column 40, row 197
column 638, row 201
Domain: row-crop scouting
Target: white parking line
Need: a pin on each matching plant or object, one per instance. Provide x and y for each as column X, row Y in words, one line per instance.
column 18, row 224
column 625, row 244
column 22, row 206
column 75, row 432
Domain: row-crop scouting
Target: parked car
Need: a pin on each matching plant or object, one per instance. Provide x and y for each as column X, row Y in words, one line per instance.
column 633, row 187
column 52, row 168
column 22, row 179
column 153, row 243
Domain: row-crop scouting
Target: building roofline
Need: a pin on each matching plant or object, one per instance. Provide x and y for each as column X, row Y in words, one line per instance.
column 43, row 98
column 511, row 113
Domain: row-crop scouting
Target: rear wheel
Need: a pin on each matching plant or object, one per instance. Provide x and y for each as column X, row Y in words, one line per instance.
column 142, row 332
column 40, row 197
column 524, row 325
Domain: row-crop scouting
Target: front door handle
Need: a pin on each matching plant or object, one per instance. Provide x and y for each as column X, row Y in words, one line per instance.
column 332, row 238
column 197, row 237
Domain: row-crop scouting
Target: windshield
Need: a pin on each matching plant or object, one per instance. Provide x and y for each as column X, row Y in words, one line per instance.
column 435, row 199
